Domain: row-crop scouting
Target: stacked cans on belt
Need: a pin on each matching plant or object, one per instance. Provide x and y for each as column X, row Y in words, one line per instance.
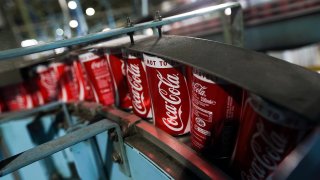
column 99, row 75
column 267, row 134
column 215, row 104
column 169, row 94
column 138, row 86
column 119, row 79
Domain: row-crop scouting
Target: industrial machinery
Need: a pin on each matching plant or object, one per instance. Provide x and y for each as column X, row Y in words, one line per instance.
column 86, row 140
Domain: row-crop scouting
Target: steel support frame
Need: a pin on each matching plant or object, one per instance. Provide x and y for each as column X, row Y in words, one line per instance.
column 25, row 158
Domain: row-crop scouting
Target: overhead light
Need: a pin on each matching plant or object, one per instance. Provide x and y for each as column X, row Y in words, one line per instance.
column 59, row 32
column 90, row 11
column 148, row 31
column 72, row 5
column 29, row 42
column 73, row 23
column 227, row 11
column 106, row 29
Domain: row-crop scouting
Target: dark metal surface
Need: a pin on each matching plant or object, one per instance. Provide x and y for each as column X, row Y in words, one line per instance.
column 25, row 158
column 287, row 85
column 159, row 157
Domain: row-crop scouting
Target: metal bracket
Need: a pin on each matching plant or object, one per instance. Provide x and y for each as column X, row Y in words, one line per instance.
column 5, row 117
column 158, row 17
column 130, row 34
column 23, row 159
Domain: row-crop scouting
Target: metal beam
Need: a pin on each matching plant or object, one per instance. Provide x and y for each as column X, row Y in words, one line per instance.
column 23, row 159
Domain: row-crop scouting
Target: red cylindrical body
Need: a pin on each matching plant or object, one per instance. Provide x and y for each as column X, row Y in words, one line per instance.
column 119, row 79
column 47, row 83
column 16, row 97
column 2, row 105
column 34, row 91
column 215, row 103
column 98, row 72
column 169, row 94
column 267, row 134
column 67, row 82
column 85, row 89
column 138, row 86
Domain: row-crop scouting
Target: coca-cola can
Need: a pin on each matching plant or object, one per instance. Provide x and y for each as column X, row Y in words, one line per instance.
column 85, row 89
column 169, row 95
column 119, row 79
column 68, row 85
column 16, row 97
column 98, row 72
column 138, row 85
column 2, row 105
column 34, row 91
column 47, row 82
column 215, row 104
column 267, row 134
column 113, row 53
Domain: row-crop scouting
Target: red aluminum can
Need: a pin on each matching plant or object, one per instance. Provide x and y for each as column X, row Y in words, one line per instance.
column 67, row 81
column 34, row 91
column 169, row 95
column 267, row 134
column 16, row 97
column 215, row 103
column 98, row 72
column 138, row 86
column 119, row 79
column 47, row 83
column 2, row 105
column 85, row 89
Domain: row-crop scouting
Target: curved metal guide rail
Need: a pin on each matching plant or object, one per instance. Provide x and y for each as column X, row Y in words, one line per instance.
column 287, row 85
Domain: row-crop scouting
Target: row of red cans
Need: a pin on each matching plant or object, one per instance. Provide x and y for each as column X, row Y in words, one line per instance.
column 86, row 77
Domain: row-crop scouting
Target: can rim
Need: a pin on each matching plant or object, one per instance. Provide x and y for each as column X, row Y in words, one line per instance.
column 277, row 114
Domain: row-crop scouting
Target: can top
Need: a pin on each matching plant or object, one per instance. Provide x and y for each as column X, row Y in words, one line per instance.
column 276, row 114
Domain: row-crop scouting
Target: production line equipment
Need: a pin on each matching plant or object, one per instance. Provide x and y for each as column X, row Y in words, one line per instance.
column 157, row 107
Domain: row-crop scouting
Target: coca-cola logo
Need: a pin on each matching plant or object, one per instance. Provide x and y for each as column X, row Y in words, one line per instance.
column 168, row 88
column 199, row 89
column 268, row 148
column 98, row 64
column 134, row 79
